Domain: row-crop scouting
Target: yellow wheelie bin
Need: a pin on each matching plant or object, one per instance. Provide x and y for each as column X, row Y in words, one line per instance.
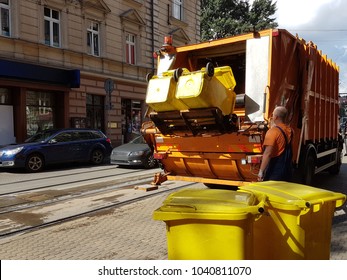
column 161, row 91
column 209, row 224
column 296, row 223
column 200, row 90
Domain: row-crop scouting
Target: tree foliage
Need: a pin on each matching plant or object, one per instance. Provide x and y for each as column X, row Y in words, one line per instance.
column 221, row 18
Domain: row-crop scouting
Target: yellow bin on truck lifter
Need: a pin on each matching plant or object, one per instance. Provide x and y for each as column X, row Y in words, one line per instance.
column 209, row 224
column 161, row 91
column 197, row 90
column 296, row 223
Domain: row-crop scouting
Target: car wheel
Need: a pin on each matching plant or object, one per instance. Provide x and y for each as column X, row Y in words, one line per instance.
column 34, row 163
column 97, row 157
column 150, row 161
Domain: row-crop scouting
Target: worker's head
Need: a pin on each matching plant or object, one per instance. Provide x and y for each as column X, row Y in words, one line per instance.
column 280, row 114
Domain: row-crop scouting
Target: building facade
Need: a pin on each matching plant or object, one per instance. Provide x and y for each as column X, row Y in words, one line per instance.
column 83, row 63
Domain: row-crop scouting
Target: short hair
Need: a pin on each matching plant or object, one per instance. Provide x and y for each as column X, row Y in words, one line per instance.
column 280, row 112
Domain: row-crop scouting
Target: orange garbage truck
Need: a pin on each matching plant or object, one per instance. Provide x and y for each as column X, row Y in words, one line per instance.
column 210, row 105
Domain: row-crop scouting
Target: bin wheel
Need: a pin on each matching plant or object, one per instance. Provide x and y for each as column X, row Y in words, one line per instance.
column 209, row 69
column 177, row 73
column 148, row 77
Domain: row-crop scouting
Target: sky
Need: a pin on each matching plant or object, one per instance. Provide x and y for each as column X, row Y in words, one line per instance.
column 324, row 22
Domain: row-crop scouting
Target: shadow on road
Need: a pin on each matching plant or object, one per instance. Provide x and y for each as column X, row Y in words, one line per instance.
column 342, row 217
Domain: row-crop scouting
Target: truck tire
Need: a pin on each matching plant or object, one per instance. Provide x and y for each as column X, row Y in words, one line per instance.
column 309, row 169
column 335, row 169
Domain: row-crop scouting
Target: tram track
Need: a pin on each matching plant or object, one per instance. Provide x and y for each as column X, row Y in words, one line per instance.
column 75, row 177
column 35, row 208
column 30, row 200
column 52, row 175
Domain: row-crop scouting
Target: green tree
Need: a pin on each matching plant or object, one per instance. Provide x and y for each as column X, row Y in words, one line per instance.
column 221, row 18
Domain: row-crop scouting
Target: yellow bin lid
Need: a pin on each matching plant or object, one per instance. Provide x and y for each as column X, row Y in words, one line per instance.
column 292, row 196
column 212, row 204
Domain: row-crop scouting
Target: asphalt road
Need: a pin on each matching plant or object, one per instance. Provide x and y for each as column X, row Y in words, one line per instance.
column 75, row 175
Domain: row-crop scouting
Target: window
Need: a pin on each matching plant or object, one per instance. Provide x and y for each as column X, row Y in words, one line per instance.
column 130, row 48
column 5, row 17
column 52, row 27
column 95, row 111
column 136, row 116
column 93, row 39
column 64, row 137
column 83, row 135
column 40, row 111
column 177, row 9
column 5, row 96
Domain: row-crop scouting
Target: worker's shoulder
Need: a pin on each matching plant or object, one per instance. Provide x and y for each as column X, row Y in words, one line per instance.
column 284, row 127
column 275, row 132
column 272, row 133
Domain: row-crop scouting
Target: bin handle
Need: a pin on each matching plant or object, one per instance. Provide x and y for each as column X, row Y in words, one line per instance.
column 339, row 201
column 261, row 204
column 260, row 207
column 180, row 206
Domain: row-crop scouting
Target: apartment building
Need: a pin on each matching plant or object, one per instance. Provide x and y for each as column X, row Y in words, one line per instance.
column 83, row 63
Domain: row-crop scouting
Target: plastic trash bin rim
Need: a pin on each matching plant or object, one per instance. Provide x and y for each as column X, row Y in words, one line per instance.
column 210, row 200
column 292, row 196
column 162, row 215
column 210, row 204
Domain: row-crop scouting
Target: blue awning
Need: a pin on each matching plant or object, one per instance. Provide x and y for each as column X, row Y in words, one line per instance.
column 31, row 72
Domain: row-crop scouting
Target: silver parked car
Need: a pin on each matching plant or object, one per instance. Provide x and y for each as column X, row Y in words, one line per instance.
column 134, row 153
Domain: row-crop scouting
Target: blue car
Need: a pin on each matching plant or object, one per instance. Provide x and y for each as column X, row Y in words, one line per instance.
column 57, row 146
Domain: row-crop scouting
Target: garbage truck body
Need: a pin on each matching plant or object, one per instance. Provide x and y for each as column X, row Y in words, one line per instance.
column 210, row 105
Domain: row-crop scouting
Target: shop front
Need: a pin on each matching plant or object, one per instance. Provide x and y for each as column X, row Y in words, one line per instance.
column 33, row 98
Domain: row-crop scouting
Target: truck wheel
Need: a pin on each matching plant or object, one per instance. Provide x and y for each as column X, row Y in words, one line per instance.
column 309, row 169
column 335, row 169
column 209, row 69
column 34, row 163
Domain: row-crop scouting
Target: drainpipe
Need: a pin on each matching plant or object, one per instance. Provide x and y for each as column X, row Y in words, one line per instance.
column 152, row 31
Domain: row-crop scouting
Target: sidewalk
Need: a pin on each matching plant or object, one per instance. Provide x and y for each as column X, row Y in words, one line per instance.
column 127, row 233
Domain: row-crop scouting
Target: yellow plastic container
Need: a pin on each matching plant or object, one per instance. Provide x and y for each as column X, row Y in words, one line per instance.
column 197, row 90
column 209, row 224
column 161, row 91
column 296, row 223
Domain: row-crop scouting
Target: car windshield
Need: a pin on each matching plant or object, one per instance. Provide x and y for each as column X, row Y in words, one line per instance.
column 138, row 140
column 40, row 137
